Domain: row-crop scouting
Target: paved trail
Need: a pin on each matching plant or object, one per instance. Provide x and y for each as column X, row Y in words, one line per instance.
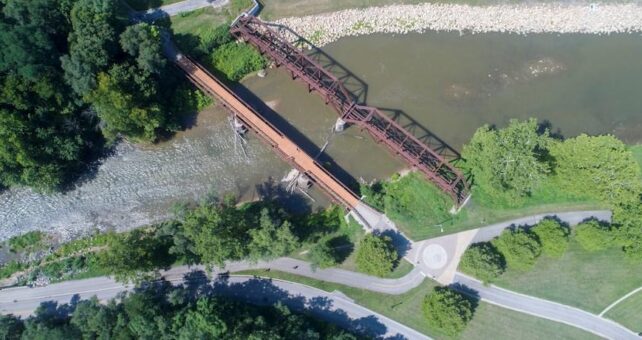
column 178, row 8
column 333, row 307
column 547, row 309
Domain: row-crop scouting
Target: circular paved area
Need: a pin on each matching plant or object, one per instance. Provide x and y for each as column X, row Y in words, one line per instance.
column 435, row 256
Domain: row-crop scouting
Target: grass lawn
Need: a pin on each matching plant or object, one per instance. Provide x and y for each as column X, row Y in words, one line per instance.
column 199, row 22
column 141, row 5
column 590, row 281
column 420, row 210
column 489, row 322
column 628, row 312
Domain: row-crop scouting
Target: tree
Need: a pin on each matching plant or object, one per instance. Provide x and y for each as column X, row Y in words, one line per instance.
column 447, row 310
column 593, row 235
column 600, row 166
column 376, row 255
column 519, row 248
column 553, row 237
column 94, row 320
column 272, row 239
column 123, row 102
column 11, row 327
column 133, row 255
column 203, row 322
column 507, row 164
column 483, row 261
column 143, row 41
column 92, row 43
column 321, row 255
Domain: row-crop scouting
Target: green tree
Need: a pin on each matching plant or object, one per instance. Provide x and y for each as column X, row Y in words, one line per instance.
column 143, row 41
column 321, row 255
column 447, row 310
column 519, row 248
column 134, row 255
column 593, row 235
column 11, row 327
column 483, row 261
column 272, row 239
column 376, row 255
column 507, row 164
column 600, row 166
column 553, row 237
column 94, row 320
column 203, row 322
column 122, row 101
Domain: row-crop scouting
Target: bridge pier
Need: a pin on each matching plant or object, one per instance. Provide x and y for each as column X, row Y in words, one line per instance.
column 339, row 125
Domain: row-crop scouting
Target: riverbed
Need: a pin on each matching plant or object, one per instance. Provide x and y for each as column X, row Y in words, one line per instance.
column 436, row 82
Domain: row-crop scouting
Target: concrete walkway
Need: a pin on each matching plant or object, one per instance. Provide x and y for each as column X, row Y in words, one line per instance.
column 332, row 307
column 546, row 309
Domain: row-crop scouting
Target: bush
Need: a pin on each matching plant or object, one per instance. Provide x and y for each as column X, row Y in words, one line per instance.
column 483, row 261
column 11, row 268
column 594, row 236
column 376, row 255
column 237, row 60
column 519, row 248
column 28, row 241
column 552, row 236
column 447, row 310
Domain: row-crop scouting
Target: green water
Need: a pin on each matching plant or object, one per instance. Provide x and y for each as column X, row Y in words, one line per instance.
column 451, row 84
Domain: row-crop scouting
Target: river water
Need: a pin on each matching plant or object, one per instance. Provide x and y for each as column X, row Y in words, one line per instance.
column 438, row 83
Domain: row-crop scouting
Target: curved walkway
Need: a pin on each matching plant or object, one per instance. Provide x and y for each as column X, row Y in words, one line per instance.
column 546, row 309
column 331, row 307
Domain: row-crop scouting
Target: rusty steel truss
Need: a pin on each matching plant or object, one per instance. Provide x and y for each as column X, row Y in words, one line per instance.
column 382, row 128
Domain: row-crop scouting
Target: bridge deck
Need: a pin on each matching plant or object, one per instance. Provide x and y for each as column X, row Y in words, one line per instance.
column 269, row 133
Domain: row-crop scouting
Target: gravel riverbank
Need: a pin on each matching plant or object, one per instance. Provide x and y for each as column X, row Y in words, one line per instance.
column 522, row 19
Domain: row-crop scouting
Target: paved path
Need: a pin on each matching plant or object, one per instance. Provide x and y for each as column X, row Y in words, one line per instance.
column 178, row 8
column 439, row 257
column 547, row 309
column 333, row 307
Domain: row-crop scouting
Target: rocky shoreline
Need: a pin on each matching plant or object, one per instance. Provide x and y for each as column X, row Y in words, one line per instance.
column 521, row 19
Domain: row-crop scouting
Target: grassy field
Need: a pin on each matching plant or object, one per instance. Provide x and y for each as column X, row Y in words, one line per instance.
column 590, row 281
column 628, row 312
column 199, row 22
column 489, row 322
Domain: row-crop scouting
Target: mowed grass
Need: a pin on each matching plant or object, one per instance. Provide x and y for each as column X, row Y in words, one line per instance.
column 199, row 22
column 589, row 281
column 489, row 322
column 637, row 153
column 628, row 312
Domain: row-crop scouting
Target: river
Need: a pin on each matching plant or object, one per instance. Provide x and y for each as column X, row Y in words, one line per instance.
column 443, row 83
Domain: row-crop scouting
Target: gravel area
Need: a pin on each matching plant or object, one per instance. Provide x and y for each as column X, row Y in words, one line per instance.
column 522, row 19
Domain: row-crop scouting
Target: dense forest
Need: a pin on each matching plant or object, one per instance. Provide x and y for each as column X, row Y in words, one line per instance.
column 75, row 75
column 164, row 312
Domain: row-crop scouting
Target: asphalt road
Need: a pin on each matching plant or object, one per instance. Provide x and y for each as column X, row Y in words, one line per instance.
column 333, row 307
column 547, row 309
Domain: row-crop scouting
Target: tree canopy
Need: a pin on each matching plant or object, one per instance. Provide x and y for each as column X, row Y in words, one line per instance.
column 376, row 255
column 553, row 236
column 519, row 248
column 447, row 310
column 483, row 261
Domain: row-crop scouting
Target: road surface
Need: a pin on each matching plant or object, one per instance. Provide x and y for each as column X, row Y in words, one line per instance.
column 547, row 309
column 333, row 307
column 178, row 8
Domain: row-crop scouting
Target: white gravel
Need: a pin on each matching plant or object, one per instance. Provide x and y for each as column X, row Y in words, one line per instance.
column 522, row 19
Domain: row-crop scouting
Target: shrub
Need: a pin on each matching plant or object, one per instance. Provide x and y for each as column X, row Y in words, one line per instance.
column 519, row 248
column 28, row 241
column 376, row 255
column 447, row 310
column 237, row 60
column 594, row 236
column 552, row 236
column 483, row 261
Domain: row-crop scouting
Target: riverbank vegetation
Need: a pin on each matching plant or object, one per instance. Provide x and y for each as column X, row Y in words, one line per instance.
column 160, row 311
column 488, row 321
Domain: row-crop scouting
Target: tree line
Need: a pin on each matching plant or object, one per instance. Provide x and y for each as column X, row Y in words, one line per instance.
column 163, row 312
